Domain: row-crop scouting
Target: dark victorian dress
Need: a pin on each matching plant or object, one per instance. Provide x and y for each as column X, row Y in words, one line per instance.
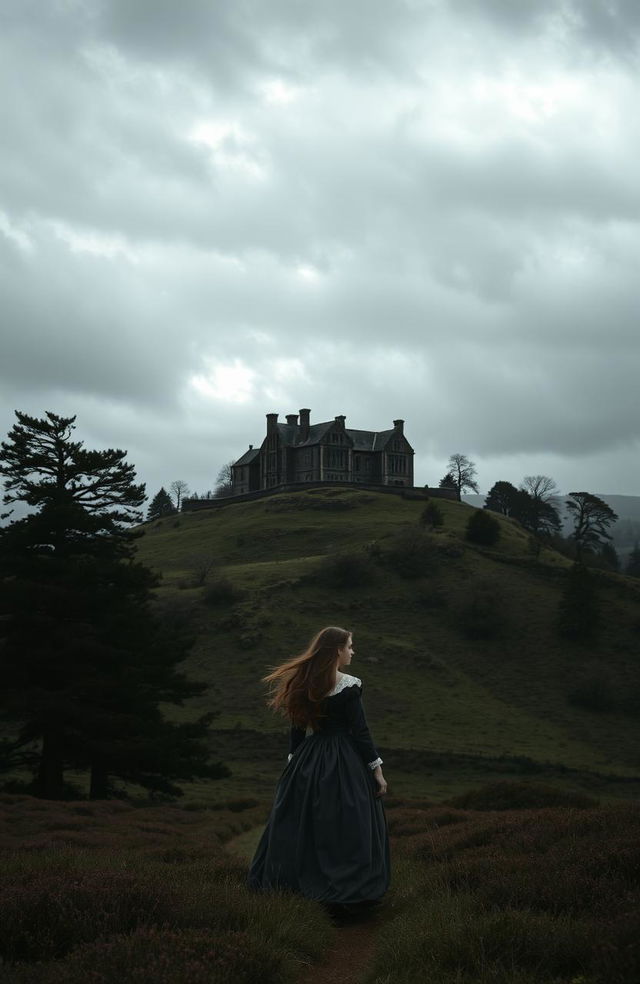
column 326, row 836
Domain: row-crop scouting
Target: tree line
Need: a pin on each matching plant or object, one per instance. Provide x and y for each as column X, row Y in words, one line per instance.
column 87, row 658
column 536, row 505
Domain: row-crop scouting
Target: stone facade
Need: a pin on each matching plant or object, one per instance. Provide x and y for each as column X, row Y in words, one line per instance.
column 297, row 452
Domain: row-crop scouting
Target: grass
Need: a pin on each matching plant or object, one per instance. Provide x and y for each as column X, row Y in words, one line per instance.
column 107, row 892
column 463, row 663
column 518, row 896
column 519, row 883
column 433, row 681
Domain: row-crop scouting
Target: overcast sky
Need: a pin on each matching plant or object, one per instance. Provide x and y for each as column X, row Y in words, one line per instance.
column 380, row 208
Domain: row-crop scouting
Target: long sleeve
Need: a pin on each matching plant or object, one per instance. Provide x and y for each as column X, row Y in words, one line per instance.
column 296, row 737
column 360, row 730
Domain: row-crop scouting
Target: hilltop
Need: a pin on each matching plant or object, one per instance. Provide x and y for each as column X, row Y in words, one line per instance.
column 465, row 676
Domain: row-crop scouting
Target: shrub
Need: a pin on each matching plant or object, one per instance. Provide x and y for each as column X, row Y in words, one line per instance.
column 167, row 956
column 202, row 566
column 481, row 615
column 48, row 915
column 220, row 592
column 346, row 570
column 431, row 516
column 483, row 528
column 507, row 795
column 409, row 553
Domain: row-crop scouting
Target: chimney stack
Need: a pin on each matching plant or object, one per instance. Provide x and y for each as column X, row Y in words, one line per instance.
column 398, row 425
column 340, row 419
column 272, row 423
column 292, row 419
column 304, row 424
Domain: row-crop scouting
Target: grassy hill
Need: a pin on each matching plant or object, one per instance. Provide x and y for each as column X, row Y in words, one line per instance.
column 465, row 675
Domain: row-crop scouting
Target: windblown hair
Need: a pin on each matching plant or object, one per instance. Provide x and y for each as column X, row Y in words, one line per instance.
column 300, row 685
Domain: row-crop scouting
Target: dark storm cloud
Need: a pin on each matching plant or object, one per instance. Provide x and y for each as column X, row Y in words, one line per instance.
column 428, row 210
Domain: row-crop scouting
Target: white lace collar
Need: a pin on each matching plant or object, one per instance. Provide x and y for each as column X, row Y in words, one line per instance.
column 346, row 680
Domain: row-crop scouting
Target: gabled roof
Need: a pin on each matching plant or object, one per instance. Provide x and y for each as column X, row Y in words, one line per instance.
column 248, row 457
column 369, row 440
column 361, row 440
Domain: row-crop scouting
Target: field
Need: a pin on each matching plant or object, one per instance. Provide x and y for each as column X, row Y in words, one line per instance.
column 514, row 884
column 465, row 675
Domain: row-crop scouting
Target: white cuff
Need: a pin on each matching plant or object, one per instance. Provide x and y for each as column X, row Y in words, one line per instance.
column 375, row 763
column 289, row 756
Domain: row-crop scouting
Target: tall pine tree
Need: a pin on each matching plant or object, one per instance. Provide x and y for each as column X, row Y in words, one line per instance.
column 85, row 660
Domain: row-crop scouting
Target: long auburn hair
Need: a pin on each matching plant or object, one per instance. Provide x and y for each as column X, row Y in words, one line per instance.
column 300, row 685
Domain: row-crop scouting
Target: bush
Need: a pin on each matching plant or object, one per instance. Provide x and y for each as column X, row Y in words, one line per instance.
column 166, row 956
column 483, row 528
column 346, row 570
column 409, row 553
column 481, row 615
column 221, row 592
column 518, row 796
column 47, row 916
column 431, row 516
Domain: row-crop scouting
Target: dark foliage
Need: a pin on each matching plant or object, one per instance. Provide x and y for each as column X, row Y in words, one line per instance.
column 502, row 498
column 482, row 528
column 507, row 795
column 431, row 516
column 161, row 505
column 85, row 660
column 410, row 553
column 632, row 567
column 346, row 570
column 592, row 518
column 221, row 592
column 482, row 614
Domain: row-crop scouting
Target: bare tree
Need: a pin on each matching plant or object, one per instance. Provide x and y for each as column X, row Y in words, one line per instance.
column 179, row 490
column 224, row 481
column 463, row 472
column 541, row 488
column 537, row 507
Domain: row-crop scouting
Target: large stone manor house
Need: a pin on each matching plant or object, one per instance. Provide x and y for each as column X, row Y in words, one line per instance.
column 299, row 452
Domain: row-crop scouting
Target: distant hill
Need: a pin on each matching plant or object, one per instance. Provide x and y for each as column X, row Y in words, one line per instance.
column 464, row 673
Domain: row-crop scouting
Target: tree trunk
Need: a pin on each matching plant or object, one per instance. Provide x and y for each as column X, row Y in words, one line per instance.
column 51, row 771
column 99, row 781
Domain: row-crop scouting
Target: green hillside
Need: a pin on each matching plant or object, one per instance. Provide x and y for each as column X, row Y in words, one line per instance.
column 465, row 675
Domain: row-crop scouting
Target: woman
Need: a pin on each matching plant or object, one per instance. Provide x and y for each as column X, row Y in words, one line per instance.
column 326, row 836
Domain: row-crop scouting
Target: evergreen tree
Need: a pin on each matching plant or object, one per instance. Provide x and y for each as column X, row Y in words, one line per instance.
column 609, row 557
column 160, row 505
column 592, row 518
column 502, row 498
column 482, row 528
column 447, row 481
column 633, row 563
column 85, row 662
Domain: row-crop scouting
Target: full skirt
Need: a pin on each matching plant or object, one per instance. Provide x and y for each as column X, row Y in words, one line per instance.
column 326, row 837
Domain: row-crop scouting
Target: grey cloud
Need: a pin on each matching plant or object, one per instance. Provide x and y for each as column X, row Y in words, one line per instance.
column 475, row 272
